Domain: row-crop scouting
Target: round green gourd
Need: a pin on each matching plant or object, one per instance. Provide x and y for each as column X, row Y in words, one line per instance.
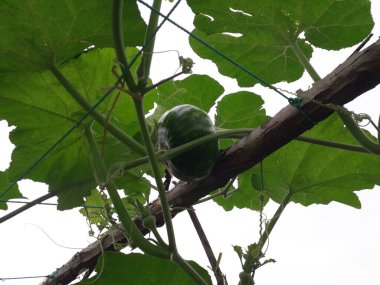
column 180, row 125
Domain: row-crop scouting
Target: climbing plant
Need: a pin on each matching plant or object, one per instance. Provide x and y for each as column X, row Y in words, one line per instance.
column 75, row 81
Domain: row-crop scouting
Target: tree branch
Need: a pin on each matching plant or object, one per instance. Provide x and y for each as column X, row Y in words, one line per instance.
column 360, row 73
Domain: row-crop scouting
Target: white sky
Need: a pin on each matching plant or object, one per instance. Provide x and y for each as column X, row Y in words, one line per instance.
column 328, row 245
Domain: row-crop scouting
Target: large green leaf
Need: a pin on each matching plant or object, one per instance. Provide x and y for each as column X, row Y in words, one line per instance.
column 37, row 34
column 269, row 37
column 43, row 111
column 116, row 268
column 320, row 175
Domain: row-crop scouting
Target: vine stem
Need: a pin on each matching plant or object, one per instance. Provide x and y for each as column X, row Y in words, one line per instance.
column 133, row 232
column 343, row 146
column 139, row 106
column 114, row 130
column 269, row 227
column 117, row 16
column 163, row 198
column 222, row 192
column 358, row 134
column 144, row 69
column 156, row 173
column 234, row 133
column 304, row 61
column 263, row 239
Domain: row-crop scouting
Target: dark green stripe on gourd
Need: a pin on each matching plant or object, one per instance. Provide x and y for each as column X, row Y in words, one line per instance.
column 180, row 125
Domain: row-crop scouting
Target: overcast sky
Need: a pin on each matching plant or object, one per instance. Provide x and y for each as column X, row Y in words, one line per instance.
column 328, row 245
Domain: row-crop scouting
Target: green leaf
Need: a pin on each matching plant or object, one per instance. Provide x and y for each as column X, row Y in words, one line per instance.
column 9, row 194
column 269, row 37
column 116, row 268
column 320, row 175
column 239, row 110
column 198, row 90
column 43, row 112
column 38, row 34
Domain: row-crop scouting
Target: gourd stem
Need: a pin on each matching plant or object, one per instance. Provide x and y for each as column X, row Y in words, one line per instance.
column 117, row 30
column 235, row 133
column 114, row 130
column 144, row 69
column 133, row 232
column 156, row 173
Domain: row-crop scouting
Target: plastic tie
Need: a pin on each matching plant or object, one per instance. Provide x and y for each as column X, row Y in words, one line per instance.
column 296, row 102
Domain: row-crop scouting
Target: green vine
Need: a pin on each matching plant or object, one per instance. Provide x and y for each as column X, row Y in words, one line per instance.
column 163, row 156
column 133, row 232
column 117, row 16
column 304, row 61
column 156, row 173
column 358, row 134
column 139, row 107
column 144, row 68
column 143, row 74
